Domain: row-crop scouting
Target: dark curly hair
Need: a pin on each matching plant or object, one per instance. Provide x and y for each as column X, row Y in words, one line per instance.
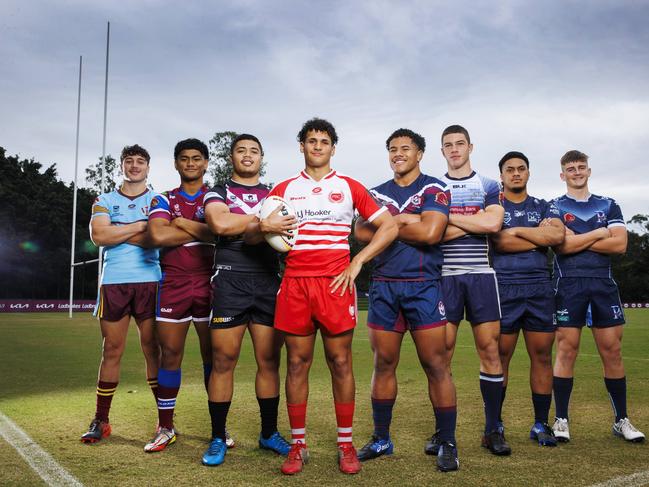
column 189, row 144
column 319, row 125
column 513, row 155
column 134, row 150
column 418, row 140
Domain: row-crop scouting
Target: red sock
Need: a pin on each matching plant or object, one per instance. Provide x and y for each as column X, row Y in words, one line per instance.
column 105, row 393
column 153, row 384
column 297, row 420
column 166, row 405
column 344, row 420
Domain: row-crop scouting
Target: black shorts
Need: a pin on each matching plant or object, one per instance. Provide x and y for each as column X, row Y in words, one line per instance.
column 575, row 294
column 477, row 293
column 526, row 306
column 240, row 299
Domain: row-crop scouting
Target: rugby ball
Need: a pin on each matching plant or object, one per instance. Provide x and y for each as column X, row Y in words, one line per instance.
column 281, row 243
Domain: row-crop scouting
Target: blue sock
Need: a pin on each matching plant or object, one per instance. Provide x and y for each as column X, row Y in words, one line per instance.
column 617, row 392
column 541, row 403
column 207, row 370
column 382, row 415
column 562, row 387
column 446, row 419
column 491, row 387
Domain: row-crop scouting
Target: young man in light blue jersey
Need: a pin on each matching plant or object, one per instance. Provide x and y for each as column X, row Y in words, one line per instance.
column 129, row 280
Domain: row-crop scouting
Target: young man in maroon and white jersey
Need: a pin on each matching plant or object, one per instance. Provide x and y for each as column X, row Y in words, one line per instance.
column 317, row 291
column 177, row 223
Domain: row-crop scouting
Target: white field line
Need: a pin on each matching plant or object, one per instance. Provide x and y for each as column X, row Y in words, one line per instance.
column 41, row 462
column 633, row 480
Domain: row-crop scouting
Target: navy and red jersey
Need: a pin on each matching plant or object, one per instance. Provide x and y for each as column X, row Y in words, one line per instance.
column 401, row 260
column 324, row 210
column 469, row 254
column 531, row 265
column 193, row 257
column 582, row 216
column 232, row 254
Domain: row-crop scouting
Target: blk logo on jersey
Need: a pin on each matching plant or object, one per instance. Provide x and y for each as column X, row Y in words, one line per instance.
column 533, row 216
column 617, row 312
column 131, row 206
column 519, row 213
column 145, row 210
column 601, row 217
column 250, row 198
column 507, row 218
column 562, row 315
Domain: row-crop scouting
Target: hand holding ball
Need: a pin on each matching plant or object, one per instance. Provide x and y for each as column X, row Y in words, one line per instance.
column 278, row 223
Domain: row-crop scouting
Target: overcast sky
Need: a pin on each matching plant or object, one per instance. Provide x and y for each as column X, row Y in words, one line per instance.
column 540, row 77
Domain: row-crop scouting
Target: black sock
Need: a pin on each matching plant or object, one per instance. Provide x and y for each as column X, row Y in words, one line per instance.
column 491, row 386
column 541, row 404
column 617, row 392
column 446, row 419
column 502, row 401
column 218, row 415
column 268, row 411
column 562, row 387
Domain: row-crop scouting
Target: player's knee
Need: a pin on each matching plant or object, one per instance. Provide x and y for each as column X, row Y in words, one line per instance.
column 298, row 366
column 385, row 364
column 340, row 365
column 113, row 350
column 223, row 362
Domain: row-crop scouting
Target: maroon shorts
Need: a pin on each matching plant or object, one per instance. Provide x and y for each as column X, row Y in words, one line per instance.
column 306, row 303
column 118, row 300
column 184, row 298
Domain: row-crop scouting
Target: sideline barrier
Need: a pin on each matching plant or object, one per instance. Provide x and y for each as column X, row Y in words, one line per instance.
column 44, row 305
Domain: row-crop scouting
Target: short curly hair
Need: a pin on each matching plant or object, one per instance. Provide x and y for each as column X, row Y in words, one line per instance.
column 319, row 125
column 418, row 140
column 189, row 144
column 134, row 150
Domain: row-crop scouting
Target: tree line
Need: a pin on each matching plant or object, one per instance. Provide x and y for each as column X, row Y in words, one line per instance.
column 36, row 221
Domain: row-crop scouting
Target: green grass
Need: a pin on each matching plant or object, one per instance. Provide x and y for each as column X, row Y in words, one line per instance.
column 48, row 368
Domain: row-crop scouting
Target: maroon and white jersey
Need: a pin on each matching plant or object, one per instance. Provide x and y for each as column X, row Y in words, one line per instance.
column 325, row 210
column 190, row 258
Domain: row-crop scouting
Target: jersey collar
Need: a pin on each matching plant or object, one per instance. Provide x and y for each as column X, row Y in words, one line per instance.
column 460, row 179
column 132, row 197
column 329, row 175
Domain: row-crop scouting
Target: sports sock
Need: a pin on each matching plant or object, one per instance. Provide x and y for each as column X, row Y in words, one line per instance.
column 446, row 419
column 153, row 384
column 344, row 420
column 562, row 387
column 541, row 403
column 268, row 412
column 218, row 416
column 168, row 387
column 382, row 415
column 502, row 401
column 297, row 420
column 617, row 392
column 207, row 371
column 491, row 386
column 105, row 393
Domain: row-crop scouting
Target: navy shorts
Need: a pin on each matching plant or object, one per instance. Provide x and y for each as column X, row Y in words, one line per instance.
column 240, row 299
column 574, row 294
column 477, row 293
column 526, row 306
column 405, row 305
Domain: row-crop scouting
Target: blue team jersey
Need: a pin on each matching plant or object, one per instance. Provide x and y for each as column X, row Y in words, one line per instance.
column 124, row 263
column 531, row 265
column 469, row 254
column 404, row 261
column 582, row 216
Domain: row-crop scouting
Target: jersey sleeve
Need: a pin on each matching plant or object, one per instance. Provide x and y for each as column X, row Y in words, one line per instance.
column 101, row 206
column 363, row 201
column 436, row 197
column 215, row 195
column 550, row 210
column 614, row 217
column 493, row 194
column 160, row 207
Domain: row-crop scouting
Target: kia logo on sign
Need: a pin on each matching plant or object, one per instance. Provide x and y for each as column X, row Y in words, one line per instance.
column 45, row 306
column 19, row 306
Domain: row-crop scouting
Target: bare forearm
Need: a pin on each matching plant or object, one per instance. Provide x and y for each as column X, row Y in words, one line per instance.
column 200, row 231
column 382, row 238
column 168, row 236
column 576, row 243
column 546, row 236
column 452, row 232
column 614, row 245
column 508, row 242
column 229, row 224
column 364, row 231
column 107, row 235
column 481, row 223
column 422, row 233
column 142, row 239
column 253, row 235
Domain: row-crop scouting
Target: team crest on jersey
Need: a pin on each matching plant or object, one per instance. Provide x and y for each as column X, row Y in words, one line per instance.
column 154, row 202
column 519, row 213
column 416, row 200
column 250, row 198
column 336, row 196
column 441, row 309
column 568, row 218
column 617, row 312
column 441, row 198
column 200, row 213
column 601, row 216
column 316, row 190
column 145, row 210
column 507, row 218
column 533, row 216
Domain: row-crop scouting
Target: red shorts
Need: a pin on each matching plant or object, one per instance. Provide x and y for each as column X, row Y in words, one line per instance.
column 184, row 298
column 118, row 300
column 306, row 303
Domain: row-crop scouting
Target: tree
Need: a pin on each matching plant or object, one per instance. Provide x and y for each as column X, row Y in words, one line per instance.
column 93, row 175
column 630, row 270
column 220, row 168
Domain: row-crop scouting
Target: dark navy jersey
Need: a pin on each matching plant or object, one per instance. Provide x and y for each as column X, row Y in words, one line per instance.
column 401, row 260
column 582, row 216
column 232, row 253
column 531, row 265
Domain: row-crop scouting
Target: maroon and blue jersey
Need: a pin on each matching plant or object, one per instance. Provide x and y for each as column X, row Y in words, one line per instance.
column 405, row 261
column 232, row 253
column 194, row 257
column 531, row 265
column 582, row 216
column 469, row 254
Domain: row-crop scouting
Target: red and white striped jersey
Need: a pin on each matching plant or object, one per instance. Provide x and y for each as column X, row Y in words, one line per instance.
column 325, row 210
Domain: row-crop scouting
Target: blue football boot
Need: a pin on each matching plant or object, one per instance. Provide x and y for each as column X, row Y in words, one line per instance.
column 542, row 433
column 215, row 454
column 375, row 448
column 275, row 443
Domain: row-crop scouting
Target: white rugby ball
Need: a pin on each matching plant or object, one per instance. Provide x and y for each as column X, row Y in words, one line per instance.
column 281, row 243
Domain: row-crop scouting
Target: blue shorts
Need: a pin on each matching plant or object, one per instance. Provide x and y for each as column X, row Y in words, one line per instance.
column 405, row 305
column 478, row 293
column 526, row 306
column 574, row 294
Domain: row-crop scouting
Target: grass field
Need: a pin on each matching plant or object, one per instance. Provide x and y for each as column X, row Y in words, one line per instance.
column 48, row 367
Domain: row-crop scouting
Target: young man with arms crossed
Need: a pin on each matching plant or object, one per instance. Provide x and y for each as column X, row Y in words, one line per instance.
column 468, row 281
column 405, row 295
column 520, row 259
column 129, row 280
column 595, row 230
column 318, row 291
column 244, row 287
column 177, row 223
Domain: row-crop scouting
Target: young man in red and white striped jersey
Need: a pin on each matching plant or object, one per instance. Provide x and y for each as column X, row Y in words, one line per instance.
column 317, row 291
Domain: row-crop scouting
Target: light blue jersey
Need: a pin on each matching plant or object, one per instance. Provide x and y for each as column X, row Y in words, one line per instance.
column 125, row 263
